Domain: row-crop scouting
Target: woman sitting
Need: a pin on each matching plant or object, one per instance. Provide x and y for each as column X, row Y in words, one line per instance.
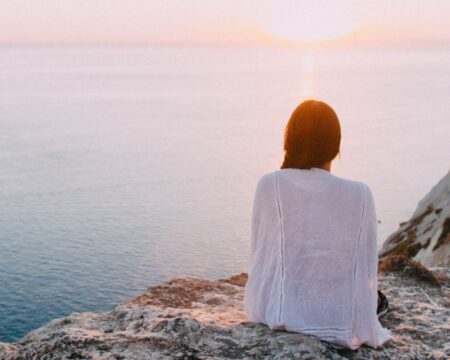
column 313, row 254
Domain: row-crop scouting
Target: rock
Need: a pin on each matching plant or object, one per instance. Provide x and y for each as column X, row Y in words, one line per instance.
column 194, row 318
column 426, row 236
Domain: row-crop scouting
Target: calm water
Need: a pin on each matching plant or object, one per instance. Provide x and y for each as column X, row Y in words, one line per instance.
column 120, row 168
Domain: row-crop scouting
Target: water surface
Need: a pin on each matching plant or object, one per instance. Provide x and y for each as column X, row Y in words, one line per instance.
column 122, row 167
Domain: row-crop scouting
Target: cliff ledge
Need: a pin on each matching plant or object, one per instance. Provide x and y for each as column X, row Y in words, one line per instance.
column 194, row 318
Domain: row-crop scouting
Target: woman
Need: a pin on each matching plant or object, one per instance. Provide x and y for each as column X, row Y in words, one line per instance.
column 313, row 254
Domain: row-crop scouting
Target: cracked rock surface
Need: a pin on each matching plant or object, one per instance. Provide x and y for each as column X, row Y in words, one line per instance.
column 426, row 236
column 194, row 318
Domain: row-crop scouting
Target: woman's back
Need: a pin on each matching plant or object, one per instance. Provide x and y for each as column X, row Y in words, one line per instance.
column 313, row 261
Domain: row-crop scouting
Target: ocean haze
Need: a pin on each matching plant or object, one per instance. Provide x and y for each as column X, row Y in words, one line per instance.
column 122, row 167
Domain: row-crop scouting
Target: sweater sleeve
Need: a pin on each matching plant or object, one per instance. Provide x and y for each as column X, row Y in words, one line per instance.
column 366, row 326
column 262, row 213
column 259, row 289
column 255, row 220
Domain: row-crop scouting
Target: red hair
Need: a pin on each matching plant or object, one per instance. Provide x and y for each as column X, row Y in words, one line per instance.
column 312, row 136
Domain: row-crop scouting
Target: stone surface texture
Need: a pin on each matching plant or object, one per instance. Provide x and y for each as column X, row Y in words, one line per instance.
column 426, row 236
column 194, row 318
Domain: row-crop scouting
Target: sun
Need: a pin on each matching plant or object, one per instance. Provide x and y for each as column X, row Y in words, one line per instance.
column 309, row 21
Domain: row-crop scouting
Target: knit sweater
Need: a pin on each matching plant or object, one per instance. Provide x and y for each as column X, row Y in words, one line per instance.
column 313, row 257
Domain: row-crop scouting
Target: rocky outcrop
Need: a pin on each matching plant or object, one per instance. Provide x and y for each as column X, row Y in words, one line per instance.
column 193, row 318
column 426, row 236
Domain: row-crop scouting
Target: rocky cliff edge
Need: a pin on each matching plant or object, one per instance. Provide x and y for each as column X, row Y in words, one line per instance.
column 194, row 318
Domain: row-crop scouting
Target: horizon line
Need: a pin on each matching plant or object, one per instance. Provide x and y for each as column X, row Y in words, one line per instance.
column 250, row 44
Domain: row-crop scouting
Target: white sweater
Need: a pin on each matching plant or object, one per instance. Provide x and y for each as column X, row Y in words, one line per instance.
column 313, row 257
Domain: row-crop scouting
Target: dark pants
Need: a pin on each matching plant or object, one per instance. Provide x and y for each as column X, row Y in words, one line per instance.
column 383, row 303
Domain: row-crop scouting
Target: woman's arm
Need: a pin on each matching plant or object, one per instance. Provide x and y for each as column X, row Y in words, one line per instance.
column 367, row 327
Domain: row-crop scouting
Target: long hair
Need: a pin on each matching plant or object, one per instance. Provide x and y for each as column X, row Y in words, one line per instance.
column 312, row 136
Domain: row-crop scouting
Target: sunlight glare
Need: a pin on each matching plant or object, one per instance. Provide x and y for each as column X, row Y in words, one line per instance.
column 306, row 90
column 309, row 21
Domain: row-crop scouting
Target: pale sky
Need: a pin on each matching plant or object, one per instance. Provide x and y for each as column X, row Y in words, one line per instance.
column 218, row 21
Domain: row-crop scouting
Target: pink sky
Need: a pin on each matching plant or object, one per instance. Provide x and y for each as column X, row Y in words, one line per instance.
column 208, row 21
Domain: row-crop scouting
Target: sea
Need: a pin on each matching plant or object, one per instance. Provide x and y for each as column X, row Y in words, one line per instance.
column 121, row 167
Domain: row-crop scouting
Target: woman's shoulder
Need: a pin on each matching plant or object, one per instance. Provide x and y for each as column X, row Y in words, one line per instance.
column 356, row 186
column 267, row 181
column 268, row 177
column 352, row 183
